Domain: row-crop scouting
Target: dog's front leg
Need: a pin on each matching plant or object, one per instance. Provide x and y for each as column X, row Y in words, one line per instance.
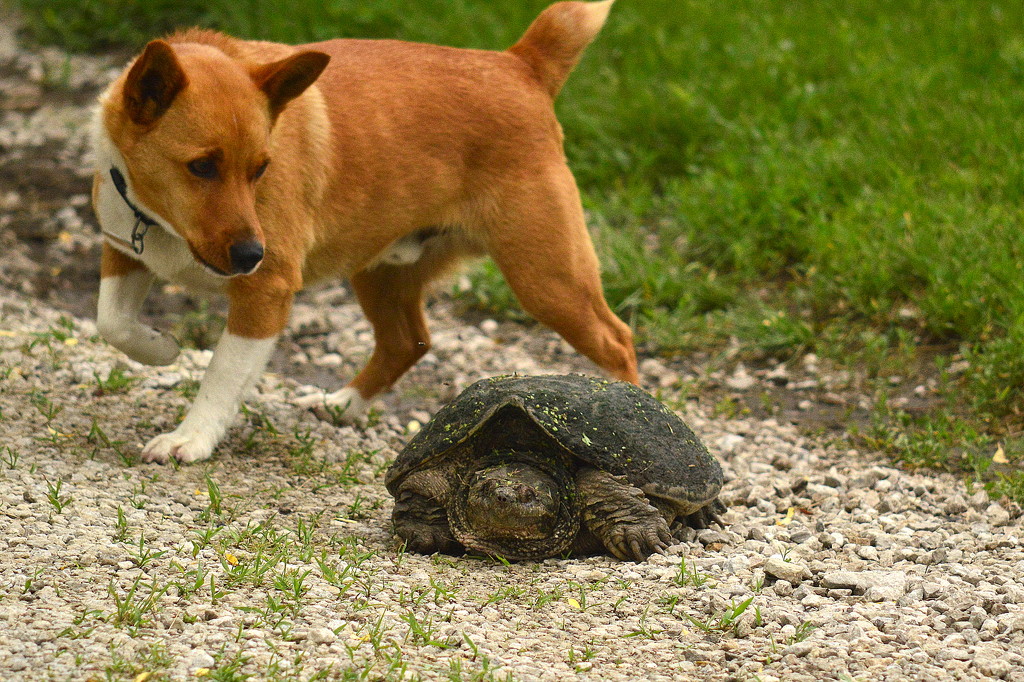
column 237, row 363
column 255, row 320
column 124, row 285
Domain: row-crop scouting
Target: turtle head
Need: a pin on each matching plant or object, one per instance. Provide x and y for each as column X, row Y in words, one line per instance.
column 512, row 500
column 515, row 504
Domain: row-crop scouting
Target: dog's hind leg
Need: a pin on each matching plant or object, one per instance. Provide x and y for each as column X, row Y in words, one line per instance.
column 391, row 297
column 541, row 244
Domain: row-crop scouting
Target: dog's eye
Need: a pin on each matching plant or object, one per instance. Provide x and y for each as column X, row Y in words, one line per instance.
column 205, row 168
column 262, row 169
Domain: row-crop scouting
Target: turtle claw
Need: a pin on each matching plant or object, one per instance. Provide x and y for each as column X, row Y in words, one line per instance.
column 432, row 540
column 704, row 517
column 638, row 541
column 665, row 537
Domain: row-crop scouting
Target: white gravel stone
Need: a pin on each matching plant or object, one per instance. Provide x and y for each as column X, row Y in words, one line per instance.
column 200, row 659
column 321, row 636
column 741, row 379
column 728, row 443
column 790, row 571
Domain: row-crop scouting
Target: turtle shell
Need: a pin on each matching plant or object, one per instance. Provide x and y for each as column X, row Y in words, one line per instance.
column 610, row 425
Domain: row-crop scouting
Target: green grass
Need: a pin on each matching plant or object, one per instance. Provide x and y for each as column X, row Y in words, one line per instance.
column 846, row 178
column 100, row 24
column 945, row 440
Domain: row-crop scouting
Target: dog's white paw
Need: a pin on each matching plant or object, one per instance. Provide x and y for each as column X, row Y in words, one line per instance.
column 160, row 348
column 148, row 346
column 345, row 406
column 179, row 445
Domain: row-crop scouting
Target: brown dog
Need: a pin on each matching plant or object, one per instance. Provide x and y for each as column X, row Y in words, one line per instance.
column 254, row 169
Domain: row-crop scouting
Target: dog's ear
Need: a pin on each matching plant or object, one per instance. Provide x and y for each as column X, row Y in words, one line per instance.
column 284, row 80
column 153, row 82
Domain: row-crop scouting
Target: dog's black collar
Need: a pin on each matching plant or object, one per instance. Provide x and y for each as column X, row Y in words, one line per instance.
column 142, row 221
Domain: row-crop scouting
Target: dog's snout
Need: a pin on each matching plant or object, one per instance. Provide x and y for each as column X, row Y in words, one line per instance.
column 245, row 256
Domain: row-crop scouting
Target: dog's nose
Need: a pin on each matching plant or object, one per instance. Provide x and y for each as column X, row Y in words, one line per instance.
column 245, row 256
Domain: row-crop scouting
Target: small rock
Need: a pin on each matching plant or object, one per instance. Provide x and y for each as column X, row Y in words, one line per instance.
column 910, row 597
column 728, row 443
column 200, row 659
column 783, row 588
column 708, row 536
column 936, row 556
column 834, row 480
column 799, row 649
column 954, row 653
column 1012, row 622
column 169, row 380
column 867, row 552
column 741, row 380
column 980, row 500
column 321, row 635
column 789, row 571
column 653, row 367
column 874, row 585
column 997, row 515
column 991, row 666
column 668, row 380
column 959, row 367
column 800, row 535
column 778, row 376
column 330, row 360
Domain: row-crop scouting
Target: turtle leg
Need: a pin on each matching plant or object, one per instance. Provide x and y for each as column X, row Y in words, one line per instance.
column 423, row 525
column 620, row 516
column 702, row 518
column 420, row 516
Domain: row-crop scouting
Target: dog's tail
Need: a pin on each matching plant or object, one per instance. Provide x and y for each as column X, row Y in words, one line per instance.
column 555, row 40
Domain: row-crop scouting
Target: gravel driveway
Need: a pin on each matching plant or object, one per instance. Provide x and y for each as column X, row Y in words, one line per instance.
column 275, row 560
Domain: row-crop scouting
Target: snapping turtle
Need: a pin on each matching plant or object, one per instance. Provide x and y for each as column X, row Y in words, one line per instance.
column 538, row 466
